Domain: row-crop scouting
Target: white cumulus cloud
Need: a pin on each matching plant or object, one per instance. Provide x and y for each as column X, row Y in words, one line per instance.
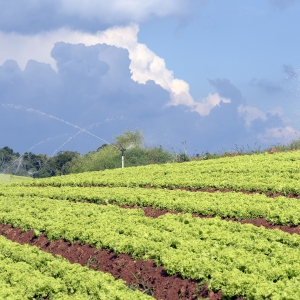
column 145, row 64
column 206, row 105
column 251, row 113
column 281, row 135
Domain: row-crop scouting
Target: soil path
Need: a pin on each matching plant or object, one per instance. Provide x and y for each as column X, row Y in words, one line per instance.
column 155, row 213
column 189, row 189
column 138, row 274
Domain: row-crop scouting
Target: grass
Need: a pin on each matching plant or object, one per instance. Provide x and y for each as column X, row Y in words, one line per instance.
column 292, row 146
column 4, row 178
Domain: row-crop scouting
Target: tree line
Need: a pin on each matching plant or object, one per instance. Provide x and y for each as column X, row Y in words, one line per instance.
column 107, row 156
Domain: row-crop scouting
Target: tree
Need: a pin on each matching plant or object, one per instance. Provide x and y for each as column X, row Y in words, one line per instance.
column 7, row 159
column 56, row 165
column 129, row 139
column 59, row 161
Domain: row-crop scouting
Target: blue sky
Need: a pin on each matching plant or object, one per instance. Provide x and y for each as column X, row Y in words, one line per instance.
column 210, row 74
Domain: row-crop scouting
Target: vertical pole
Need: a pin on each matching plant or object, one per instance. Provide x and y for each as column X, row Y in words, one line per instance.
column 122, row 150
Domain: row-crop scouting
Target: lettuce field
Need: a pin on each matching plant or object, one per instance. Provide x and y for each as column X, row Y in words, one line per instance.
column 218, row 229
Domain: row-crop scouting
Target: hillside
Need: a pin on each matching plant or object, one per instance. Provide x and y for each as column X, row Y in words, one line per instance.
column 224, row 228
column 4, row 178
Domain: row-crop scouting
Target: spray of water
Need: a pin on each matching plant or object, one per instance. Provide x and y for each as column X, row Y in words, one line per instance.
column 72, row 137
column 80, row 131
column 58, row 119
column 61, row 120
column 20, row 158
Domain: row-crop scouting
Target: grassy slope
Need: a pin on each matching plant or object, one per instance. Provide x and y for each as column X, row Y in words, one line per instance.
column 247, row 260
column 4, row 178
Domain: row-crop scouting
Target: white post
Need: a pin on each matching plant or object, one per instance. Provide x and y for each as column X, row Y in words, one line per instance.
column 122, row 150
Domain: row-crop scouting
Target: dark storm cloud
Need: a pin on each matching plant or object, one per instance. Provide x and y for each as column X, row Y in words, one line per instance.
column 273, row 121
column 93, row 84
column 30, row 16
column 226, row 121
column 227, row 90
column 33, row 16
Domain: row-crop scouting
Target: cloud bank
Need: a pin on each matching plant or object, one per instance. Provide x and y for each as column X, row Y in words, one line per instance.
column 34, row 16
column 82, row 61
column 93, row 85
column 145, row 64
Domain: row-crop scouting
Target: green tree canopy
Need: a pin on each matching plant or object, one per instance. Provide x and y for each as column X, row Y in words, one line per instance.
column 129, row 139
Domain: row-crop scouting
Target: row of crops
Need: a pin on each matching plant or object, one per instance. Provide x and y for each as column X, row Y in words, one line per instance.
column 279, row 210
column 238, row 259
column 29, row 273
column 277, row 172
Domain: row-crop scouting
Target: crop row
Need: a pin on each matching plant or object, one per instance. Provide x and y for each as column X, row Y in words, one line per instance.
column 237, row 259
column 29, row 273
column 279, row 210
column 278, row 172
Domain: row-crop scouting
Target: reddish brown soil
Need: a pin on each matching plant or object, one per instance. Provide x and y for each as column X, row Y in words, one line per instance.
column 138, row 274
column 155, row 213
column 212, row 190
column 209, row 190
column 269, row 225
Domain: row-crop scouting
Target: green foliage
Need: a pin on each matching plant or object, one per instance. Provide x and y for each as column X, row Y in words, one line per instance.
column 130, row 139
column 278, row 172
column 182, row 157
column 29, row 273
column 108, row 157
column 7, row 156
column 35, row 165
column 142, row 156
column 4, row 178
column 56, row 165
column 281, row 210
column 241, row 260
column 293, row 145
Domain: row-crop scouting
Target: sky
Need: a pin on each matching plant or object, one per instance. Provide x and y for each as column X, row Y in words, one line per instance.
column 193, row 75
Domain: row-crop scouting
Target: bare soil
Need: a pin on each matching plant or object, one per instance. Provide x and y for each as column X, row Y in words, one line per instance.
column 138, row 274
column 213, row 190
column 155, row 213
column 209, row 190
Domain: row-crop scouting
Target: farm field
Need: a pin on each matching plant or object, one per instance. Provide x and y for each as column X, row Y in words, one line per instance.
column 5, row 178
column 219, row 229
column 265, row 172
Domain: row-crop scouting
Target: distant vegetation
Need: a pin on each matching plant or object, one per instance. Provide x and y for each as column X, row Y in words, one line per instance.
column 34, row 165
column 108, row 156
column 9, row 178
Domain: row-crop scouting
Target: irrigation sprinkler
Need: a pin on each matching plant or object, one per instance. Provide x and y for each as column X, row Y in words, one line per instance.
column 122, row 150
